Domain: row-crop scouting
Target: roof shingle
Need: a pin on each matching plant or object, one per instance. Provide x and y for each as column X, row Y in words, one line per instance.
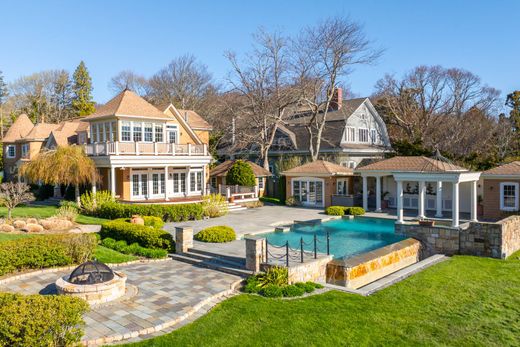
column 320, row 167
column 412, row 164
column 19, row 129
column 509, row 169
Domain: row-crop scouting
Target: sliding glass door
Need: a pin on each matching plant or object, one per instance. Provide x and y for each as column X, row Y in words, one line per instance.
column 308, row 190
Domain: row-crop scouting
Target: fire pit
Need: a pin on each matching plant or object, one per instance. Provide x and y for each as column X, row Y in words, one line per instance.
column 94, row 282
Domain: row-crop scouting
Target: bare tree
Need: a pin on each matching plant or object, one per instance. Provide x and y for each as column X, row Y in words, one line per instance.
column 13, row 194
column 131, row 80
column 262, row 82
column 323, row 55
column 183, row 82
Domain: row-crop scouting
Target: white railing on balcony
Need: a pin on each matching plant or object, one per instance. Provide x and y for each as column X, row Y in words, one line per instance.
column 144, row 148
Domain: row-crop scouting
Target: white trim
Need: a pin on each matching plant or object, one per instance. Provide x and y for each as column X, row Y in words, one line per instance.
column 506, row 208
column 307, row 180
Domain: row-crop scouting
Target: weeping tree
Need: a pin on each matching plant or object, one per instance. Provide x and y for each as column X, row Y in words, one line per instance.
column 67, row 165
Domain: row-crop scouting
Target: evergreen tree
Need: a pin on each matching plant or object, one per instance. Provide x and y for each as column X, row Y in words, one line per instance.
column 513, row 101
column 82, row 103
column 3, row 99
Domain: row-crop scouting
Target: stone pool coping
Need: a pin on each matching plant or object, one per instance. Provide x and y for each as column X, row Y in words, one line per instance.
column 288, row 224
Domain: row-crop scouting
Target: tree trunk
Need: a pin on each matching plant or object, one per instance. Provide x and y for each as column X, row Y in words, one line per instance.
column 76, row 193
column 9, row 213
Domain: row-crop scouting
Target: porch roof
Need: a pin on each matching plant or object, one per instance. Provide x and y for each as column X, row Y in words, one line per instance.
column 319, row 168
column 509, row 170
column 418, row 164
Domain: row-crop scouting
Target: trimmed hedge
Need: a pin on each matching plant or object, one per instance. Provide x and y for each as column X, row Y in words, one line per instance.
column 343, row 210
column 44, row 251
column 154, row 222
column 216, row 234
column 145, row 236
column 168, row 213
column 122, row 247
column 41, row 320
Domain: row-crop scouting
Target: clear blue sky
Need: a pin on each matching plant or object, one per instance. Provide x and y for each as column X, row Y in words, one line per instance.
column 110, row 36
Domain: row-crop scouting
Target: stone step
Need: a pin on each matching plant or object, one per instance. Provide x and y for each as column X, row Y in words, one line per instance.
column 211, row 264
column 218, row 260
column 234, row 259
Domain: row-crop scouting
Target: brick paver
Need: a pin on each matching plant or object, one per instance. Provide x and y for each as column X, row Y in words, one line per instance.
column 168, row 293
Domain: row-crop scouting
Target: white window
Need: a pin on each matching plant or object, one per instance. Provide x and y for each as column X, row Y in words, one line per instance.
column 11, row 151
column 158, row 133
column 362, row 135
column 260, row 183
column 509, row 196
column 148, row 132
column 350, row 134
column 373, row 136
column 172, row 133
column 25, row 149
column 195, row 181
column 98, row 134
column 106, row 137
column 352, row 164
column 138, row 132
column 126, row 131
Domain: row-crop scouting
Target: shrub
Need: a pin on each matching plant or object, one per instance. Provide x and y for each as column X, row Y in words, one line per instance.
column 308, row 287
column 354, row 211
column 154, row 222
column 272, row 291
column 67, row 212
column 252, row 285
column 134, row 248
column 214, row 205
column 69, row 203
column 276, row 275
column 253, row 204
column 293, row 290
column 270, row 200
column 33, row 228
column 292, row 201
column 91, row 202
column 335, row 210
column 55, row 223
column 45, row 251
column 241, row 173
column 217, row 234
column 41, row 320
column 145, row 236
column 168, row 213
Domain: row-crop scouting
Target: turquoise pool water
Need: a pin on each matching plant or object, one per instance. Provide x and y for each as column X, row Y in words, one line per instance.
column 348, row 237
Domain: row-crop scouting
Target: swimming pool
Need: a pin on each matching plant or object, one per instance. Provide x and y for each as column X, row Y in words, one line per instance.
column 348, row 237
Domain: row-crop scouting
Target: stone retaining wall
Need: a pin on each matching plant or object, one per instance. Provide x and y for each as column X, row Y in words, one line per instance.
column 360, row 270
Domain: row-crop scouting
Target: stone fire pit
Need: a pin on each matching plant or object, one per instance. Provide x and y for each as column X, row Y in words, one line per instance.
column 94, row 282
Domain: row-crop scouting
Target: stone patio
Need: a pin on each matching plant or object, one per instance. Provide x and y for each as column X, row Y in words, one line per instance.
column 168, row 293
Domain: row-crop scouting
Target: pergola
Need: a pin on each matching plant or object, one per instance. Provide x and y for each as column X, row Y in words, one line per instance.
column 422, row 170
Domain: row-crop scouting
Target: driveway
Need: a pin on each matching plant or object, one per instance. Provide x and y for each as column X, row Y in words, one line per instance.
column 254, row 220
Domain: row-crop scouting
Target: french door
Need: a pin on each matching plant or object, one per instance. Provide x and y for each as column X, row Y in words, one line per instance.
column 140, row 186
column 179, row 183
column 309, row 191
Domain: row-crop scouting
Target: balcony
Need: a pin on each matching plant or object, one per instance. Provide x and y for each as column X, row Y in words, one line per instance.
column 145, row 148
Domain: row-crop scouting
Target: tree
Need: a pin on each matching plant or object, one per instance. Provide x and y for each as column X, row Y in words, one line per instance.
column 241, row 173
column 82, row 103
column 324, row 54
column 61, row 97
column 184, row 83
column 64, row 165
column 3, row 98
column 263, row 83
column 513, row 101
column 131, row 80
column 13, row 194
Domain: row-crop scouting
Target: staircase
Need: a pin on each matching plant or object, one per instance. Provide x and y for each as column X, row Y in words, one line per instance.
column 224, row 263
column 233, row 207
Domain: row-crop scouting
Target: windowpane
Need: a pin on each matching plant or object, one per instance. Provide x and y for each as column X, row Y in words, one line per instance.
column 113, row 133
column 125, row 131
column 373, row 136
column 509, row 195
column 107, row 132
column 296, row 189
column 350, row 134
column 363, row 135
column 175, row 182
column 155, row 184
column 158, row 133
column 319, row 192
column 138, row 132
column 135, row 184
column 144, row 184
column 163, row 183
column 199, row 180
column 148, row 132
column 183, row 182
column 192, row 181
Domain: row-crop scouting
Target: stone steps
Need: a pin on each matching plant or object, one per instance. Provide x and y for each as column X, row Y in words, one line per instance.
column 233, row 207
column 211, row 262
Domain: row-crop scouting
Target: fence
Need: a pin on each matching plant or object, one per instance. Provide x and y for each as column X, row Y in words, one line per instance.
column 287, row 253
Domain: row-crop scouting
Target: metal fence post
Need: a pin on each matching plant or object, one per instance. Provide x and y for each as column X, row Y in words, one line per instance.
column 328, row 243
column 315, row 246
column 301, row 249
column 266, row 252
column 287, row 253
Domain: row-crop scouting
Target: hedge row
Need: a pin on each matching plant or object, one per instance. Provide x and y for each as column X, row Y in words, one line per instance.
column 145, row 236
column 45, row 251
column 168, row 213
column 343, row 210
column 134, row 249
column 41, row 320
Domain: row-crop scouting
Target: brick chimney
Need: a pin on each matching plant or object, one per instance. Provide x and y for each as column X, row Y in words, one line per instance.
column 337, row 99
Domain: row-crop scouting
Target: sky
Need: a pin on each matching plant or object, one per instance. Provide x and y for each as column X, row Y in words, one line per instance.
column 144, row 36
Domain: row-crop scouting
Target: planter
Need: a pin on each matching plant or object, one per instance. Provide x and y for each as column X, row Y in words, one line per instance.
column 426, row 223
column 136, row 219
column 231, row 199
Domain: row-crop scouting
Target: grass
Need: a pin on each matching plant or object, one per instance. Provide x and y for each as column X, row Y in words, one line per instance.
column 107, row 255
column 45, row 212
column 461, row 302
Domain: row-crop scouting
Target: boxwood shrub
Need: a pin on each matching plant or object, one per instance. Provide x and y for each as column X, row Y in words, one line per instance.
column 168, row 213
column 355, row 211
column 145, row 236
column 335, row 210
column 123, row 247
column 217, row 234
column 41, row 320
column 44, row 251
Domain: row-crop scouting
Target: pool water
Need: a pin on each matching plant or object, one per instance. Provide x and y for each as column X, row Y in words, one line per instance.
column 348, row 237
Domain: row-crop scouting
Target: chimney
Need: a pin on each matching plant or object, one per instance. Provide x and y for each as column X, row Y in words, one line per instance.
column 186, row 116
column 337, row 99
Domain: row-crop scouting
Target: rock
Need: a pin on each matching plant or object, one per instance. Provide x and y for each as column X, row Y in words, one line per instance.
column 6, row 228
column 19, row 224
column 31, row 221
column 33, row 228
column 56, row 224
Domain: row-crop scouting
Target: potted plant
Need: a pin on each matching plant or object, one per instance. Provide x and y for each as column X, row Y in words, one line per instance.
column 426, row 222
column 231, row 199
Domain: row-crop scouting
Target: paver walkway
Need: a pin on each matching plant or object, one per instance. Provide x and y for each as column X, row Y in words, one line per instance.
column 167, row 291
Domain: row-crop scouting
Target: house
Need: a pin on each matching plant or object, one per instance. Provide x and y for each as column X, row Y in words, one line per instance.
column 501, row 191
column 144, row 154
column 433, row 185
column 320, row 184
column 219, row 172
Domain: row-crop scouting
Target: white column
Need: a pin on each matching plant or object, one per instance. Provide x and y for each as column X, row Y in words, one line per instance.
column 365, row 193
column 188, row 181
column 203, row 188
column 150, row 184
column 378, row 194
column 422, row 198
column 113, row 181
column 439, row 200
column 166, row 183
column 455, row 205
column 473, row 216
column 400, row 202
column 94, row 181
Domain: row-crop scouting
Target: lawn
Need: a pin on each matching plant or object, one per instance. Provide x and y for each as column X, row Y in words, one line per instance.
column 463, row 301
column 47, row 211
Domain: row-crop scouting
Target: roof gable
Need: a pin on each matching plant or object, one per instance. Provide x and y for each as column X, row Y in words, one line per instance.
column 19, row 129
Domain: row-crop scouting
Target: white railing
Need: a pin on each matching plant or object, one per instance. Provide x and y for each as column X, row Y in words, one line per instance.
column 144, row 148
column 238, row 191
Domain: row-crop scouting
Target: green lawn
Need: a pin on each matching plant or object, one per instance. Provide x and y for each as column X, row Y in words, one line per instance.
column 107, row 255
column 461, row 302
column 46, row 211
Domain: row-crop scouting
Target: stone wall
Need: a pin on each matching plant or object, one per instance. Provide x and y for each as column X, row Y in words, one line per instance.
column 495, row 240
column 313, row 270
column 360, row 270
